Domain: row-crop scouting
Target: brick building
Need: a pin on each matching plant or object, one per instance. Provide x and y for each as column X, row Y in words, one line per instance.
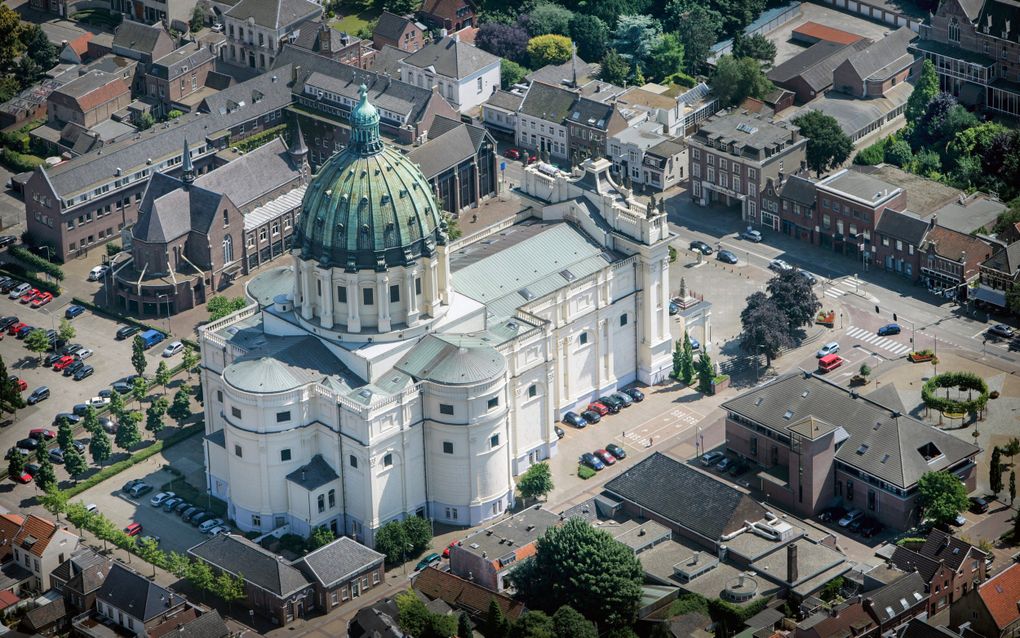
column 452, row 15
column 874, row 70
column 950, row 568
column 88, row 100
column 174, row 77
column 398, row 31
column 991, row 609
column 322, row 39
column 850, row 204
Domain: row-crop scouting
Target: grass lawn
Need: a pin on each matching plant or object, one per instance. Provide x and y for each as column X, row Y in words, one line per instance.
column 354, row 18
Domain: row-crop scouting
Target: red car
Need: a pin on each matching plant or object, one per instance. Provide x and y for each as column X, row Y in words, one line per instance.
column 598, row 408
column 42, row 434
column 30, row 295
column 512, row 153
column 22, row 384
column 42, row 299
column 134, row 529
column 15, row 327
column 446, row 552
column 63, row 362
column 605, row 457
column 24, row 478
column 532, row 158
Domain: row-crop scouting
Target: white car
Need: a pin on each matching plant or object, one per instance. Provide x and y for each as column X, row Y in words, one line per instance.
column 850, row 517
column 210, row 524
column 221, row 529
column 98, row 402
column 779, row 265
column 173, row 349
column 708, row 459
column 19, row 290
column 160, row 498
column 84, row 353
column 98, row 272
column 830, row 348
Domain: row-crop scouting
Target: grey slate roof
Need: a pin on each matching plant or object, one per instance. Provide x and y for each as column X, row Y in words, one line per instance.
column 556, row 74
column 667, row 148
column 308, row 37
column 945, row 547
column 391, row 26
column 274, row 14
column 387, row 61
column 85, row 84
column 685, row 496
column 816, row 63
column 591, row 113
column 84, row 572
column 446, row 147
column 972, row 8
column 185, row 58
column 294, row 363
column 911, row 561
column 799, row 189
column 453, row 359
column 313, row 474
column 252, row 175
column 505, row 100
column 745, row 130
column 902, row 225
column 238, row 555
column 900, row 596
column 997, row 13
column 209, row 625
column 137, row 36
column 451, row 58
column 336, row 562
column 135, row 594
column 882, row 442
column 918, row 628
column 548, row 102
column 884, row 54
column 1006, row 260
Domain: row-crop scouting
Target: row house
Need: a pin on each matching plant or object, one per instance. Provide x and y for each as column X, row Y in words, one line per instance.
column 997, row 275
column 257, row 30
column 324, row 40
column 448, row 15
column 499, row 113
column 872, row 71
column 541, row 120
column 975, row 47
column 88, row 100
column 643, row 155
column 850, row 204
column 401, row 32
column 735, row 154
column 174, row 77
column 39, row 546
column 991, row 609
column 176, row 14
column 950, row 567
column 589, row 126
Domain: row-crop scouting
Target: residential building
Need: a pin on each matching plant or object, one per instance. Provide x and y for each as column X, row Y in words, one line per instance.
column 734, row 155
column 340, row 570
column 644, row 156
column 850, row 204
column 142, row 42
column 89, row 199
column 275, row 588
column 541, row 120
column 499, row 113
column 819, row 443
column 664, row 164
column 662, row 109
column 997, row 275
column 40, row 546
column 132, row 602
column 918, row 628
column 322, row 39
column 951, row 260
column 809, row 73
column 402, row 32
column 949, row 567
column 464, row 595
column 975, row 48
column 589, row 126
column 79, row 579
column 258, row 29
column 462, row 73
column 573, row 73
column 88, row 100
column 376, row 621
column 460, row 163
column 370, row 321
column 10, row 525
column 486, row 557
column 174, row 77
column 451, row 15
column 175, row 14
column 897, row 243
column 878, row 67
column 880, row 613
column 990, row 609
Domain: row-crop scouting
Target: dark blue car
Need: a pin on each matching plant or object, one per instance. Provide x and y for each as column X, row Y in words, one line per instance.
column 73, row 311
column 574, row 419
column 889, row 329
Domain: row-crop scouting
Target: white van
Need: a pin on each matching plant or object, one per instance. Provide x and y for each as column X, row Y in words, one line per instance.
column 19, row 290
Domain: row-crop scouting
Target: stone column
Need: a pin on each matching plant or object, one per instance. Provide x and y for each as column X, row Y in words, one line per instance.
column 326, row 310
column 307, row 291
column 443, row 286
column 353, row 318
column 412, row 297
column 296, row 290
column 382, row 288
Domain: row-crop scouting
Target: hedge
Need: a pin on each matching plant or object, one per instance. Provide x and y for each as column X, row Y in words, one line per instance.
column 585, row 472
column 23, row 254
column 134, row 459
column 113, row 314
column 967, row 380
column 259, row 139
column 20, row 162
column 9, row 271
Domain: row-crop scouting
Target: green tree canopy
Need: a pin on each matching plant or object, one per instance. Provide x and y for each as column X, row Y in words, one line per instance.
column 16, row 464
column 391, row 540
column 569, row 623
column 705, row 371
column 926, row 88
column 666, row 57
column 37, row 341
column 828, row 146
column 942, row 496
column 536, row 482
column 636, row 36
column 793, row 294
column 549, row 49
column 766, row 329
column 128, row 435
column 756, row 46
column 736, row 79
column 74, row 463
column 220, row 306
column 138, row 360
column 585, row 568
column 11, row 399
column 510, row 73
column 614, row 68
column 547, row 17
column 698, row 28
column 180, row 409
column 590, row 34
column 66, row 331
column 11, row 45
column 320, row 537
column 163, row 375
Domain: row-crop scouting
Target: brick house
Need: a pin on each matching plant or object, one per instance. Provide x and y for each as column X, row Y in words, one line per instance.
column 79, row 579
column 401, row 32
column 949, row 566
column 465, row 595
column 340, row 569
column 897, row 243
column 589, row 126
column 485, row 557
column 88, row 100
column 991, row 608
column 819, row 444
column 874, row 70
column 132, row 602
column 257, row 30
column 951, row 259
column 460, row 162
column 174, row 77
column 878, row 613
column 997, row 274
column 452, row 15
column 321, row 39
column 850, row 204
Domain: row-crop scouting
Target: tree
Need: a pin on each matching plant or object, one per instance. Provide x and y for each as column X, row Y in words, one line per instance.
column 9, row 87
column 154, row 415
column 65, row 436
column 547, row 17
column 549, row 49
column 756, row 47
column 766, row 329
column 614, row 68
column 927, row 129
column 698, row 28
column 419, row 533
column 138, row 360
column 391, row 540
column 128, row 435
column 706, row 372
column 569, row 623
column 16, row 464
column 10, row 395
column 736, row 79
column 180, row 409
column 464, row 627
column 586, row 568
column 737, row 14
column 10, row 42
column 927, row 163
column 864, row 370
column 412, row 615
column 74, row 463
column 590, row 35
column 496, row 624
column 163, row 375
column 536, row 482
column 66, row 331
column 635, row 36
column 509, row 42
column 926, row 88
column 828, row 146
column 942, row 496
column 510, row 73
column 189, row 359
column 1012, row 487
column 45, row 477
column 678, row 358
column 793, row 295
column 995, row 472
column 220, row 306
column 201, row 576
column 38, row 342
column 229, row 588
column 687, row 364
column 1011, row 449
column 197, row 20
column 139, row 389
column 533, row 624
column 320, row 537
column 54, row 501
column 897, row 152
column 117, row 406
column 666, row 57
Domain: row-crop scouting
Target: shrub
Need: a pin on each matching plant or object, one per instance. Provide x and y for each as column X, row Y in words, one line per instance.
column 19, row 162
column 549, row 49
column 18, row 272
column 112, row 248
column 585, row 472
column 251, row 143
column 37, row 262
column 962, row 380
column 872, row 155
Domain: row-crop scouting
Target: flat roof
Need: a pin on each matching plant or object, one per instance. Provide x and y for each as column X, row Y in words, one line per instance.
column 511, row 533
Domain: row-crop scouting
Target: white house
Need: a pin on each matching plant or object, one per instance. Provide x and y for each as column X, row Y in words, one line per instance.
column 40, row 546
column 464, row 74
column 256, row 30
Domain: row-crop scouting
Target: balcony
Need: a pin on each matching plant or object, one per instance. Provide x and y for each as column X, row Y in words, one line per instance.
column 94, row 625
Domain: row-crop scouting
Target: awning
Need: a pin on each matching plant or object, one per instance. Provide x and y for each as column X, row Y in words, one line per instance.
column 988, row 295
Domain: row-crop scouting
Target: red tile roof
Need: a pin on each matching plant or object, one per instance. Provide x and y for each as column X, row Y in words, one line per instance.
column 7, row 598
column 457, row 592
column 951, row 244
column 10, row 525
column 39, row 529
column 103, row 94
column 828, row 34
column 80, row 45
column 1000, row 595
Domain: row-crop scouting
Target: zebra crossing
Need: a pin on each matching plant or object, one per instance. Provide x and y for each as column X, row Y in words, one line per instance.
column 852, row 284
column 869, row 337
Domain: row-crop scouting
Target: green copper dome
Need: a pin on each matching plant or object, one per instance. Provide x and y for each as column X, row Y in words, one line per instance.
column 368, row 207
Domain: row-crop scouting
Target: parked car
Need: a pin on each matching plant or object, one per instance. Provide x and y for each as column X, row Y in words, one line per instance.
column 591, row 416
column 151, row 337
column 73, row 367
column 612, row 402
column 738, row 467
column 7, row 322
column 708, row 459
column 616, row 451
column 170, row 503
column 850, row 517
column 108, row 425
column 83, row 372
column 779, row 265
column 624, row 399
column 139, row 489
column 870, row 527
column 723, row 464
column 21, row 384
column 80, row 409
column 601, row 409
column 19, row 290
column 429, row 560
column 24, row 331
column 72, row 419
column 751, row 235
column 9, row 285
column 695, row 344
column 52, row 358
column 222, row 529
column 512, row 153
column 126, row 331
column 7, row 240
column 199, row 518
column 187, row 513
column 84, row 353
column 42, row 434
column 605, row 457
column 23, row 478
column 98, row 272
column 29, row 295
column 56, row 455
column 32, row 469
column 1001, row 330
column 830, row 348
column 98, row 402
column 635, row 394
column 149, row 538
column 574, row 419
column 173, row 349
column 63, row 362
column 29, row 444
column 182, row 507
column 73, row 311
column 960, row 520
column 15, row 328
column 127, row 486
column 158, row 499
column 134, row 529
column 811, row 279
column 889, row 329
column 72, row 349
column 674, row 308
column 726, row 257
column 39, row 394
column 978, row 505
column 592, row 461
column 209, row 524
column 42, row 299
column 446, row 550
column 121, row 387
column 699, row 246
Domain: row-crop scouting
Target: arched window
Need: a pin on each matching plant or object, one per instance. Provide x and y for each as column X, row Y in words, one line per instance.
column 226, row 219
column 228, row 249
column 954, row 30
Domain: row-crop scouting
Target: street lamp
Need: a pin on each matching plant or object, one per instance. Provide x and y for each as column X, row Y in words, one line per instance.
column 158, row 303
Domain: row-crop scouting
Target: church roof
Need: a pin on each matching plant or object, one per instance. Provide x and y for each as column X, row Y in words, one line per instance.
column 287, row 364
column 454, row 359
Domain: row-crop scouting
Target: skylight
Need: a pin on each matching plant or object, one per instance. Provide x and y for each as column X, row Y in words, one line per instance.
column 758, row 401
column 747, row 128
column 788, row 415
column 885, row 457
column 930, row 452
column 864, row 448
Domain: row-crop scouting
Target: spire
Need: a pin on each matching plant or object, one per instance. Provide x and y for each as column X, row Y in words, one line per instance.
column 188, row 172
column 298, row 151
column 365, row 138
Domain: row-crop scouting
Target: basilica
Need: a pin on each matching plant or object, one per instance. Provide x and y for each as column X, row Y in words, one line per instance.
column 390, row 371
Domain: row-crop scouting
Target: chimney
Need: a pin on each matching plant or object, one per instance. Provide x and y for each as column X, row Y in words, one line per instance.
column 791, row 563
column 869, row 607
column 934, row 221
